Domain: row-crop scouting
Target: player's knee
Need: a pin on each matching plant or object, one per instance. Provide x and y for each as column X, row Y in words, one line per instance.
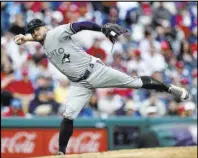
column 69, row 117
column 70, row 113
column 135, row 82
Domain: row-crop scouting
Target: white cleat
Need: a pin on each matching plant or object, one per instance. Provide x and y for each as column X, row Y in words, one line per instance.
column 60, row 153
column 179, row 92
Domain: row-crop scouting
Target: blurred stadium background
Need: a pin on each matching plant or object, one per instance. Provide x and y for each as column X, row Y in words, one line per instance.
column 162, row 42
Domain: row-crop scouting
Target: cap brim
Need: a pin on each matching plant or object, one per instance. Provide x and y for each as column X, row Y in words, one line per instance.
column 30, row 30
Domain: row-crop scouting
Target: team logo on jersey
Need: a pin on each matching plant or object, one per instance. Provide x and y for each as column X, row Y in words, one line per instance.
column 66, row 58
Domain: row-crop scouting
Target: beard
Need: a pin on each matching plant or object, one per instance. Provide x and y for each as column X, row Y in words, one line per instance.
column 40, row 40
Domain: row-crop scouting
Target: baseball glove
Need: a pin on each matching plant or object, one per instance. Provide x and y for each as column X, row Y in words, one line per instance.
column 112, row 31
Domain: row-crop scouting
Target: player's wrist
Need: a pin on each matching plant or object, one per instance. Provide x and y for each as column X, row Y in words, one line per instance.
column 28, row 37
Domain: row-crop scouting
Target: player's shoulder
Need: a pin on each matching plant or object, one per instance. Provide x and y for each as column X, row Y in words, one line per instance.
column 62, row 32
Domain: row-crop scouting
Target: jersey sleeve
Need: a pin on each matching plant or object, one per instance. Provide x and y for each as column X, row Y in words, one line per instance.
column 63, row 32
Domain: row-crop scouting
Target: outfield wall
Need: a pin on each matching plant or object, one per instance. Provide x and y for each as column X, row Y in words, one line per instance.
column 38, row 136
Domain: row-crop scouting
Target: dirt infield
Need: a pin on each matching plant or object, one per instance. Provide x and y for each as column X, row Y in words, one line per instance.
column 170, row 152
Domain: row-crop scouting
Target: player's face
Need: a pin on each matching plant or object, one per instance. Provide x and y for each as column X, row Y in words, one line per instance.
column 39, row 33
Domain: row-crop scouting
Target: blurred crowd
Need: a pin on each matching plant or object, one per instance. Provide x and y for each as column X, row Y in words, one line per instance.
column 161, row 42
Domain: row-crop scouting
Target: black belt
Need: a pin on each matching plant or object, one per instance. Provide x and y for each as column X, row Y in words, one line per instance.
column 87, row 72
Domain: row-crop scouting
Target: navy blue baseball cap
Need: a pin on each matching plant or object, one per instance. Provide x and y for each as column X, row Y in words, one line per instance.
column 34, row 23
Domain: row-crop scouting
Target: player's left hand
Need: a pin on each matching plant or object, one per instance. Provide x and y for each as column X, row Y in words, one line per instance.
column 112, row 31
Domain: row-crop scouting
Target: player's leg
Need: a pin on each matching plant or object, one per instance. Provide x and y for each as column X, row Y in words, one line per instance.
column 151, row 83
column 78, row 97
column 104, row 77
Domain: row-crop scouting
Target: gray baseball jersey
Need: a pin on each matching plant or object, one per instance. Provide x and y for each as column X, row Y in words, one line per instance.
column 67, row 57
column 72, row 61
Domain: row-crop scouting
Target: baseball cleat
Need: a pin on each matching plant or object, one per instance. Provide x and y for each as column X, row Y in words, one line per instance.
column 179, row 92
column 60, row 153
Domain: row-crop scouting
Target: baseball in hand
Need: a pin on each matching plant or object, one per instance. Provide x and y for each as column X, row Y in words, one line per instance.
column 18, row 41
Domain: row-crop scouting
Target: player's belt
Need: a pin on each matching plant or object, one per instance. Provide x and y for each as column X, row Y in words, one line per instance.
column 88, row 71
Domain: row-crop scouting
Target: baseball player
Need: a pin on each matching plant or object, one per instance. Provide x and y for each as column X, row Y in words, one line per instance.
column 84, row 71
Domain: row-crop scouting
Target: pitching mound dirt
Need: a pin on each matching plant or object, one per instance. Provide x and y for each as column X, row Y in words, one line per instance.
column 170, row 152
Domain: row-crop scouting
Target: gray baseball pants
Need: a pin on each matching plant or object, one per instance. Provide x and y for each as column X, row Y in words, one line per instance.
column 102, row 76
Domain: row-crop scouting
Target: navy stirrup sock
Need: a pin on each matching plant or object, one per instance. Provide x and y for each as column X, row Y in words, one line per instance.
column 66, row 130
column 151, row 83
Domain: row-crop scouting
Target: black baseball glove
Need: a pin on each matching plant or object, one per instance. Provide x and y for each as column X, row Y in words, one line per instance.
column 112, row 31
